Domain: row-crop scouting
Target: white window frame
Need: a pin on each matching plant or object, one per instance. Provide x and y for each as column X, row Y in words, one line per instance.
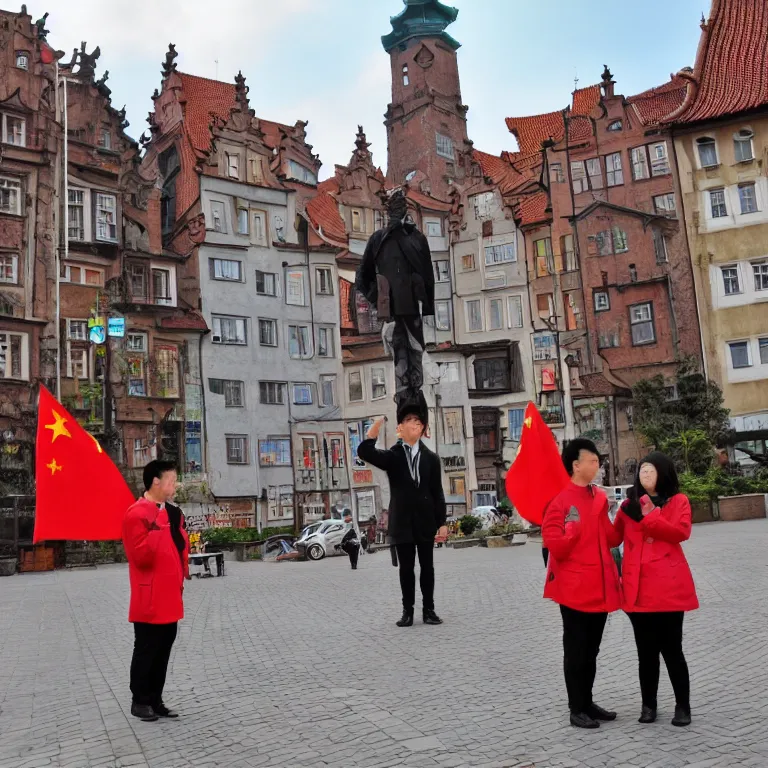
column 241, row 323
column 501, row 253
column 79, row 198
column 13, row 188
column 303, row 340
column 433, row 227
column 760, row 275
column 272, row 387
column 614, row 169
column 359, row 374
column 260, row 235
column 602, row 301
column 659, row 162
column 442, row 321
column 106, row 205
column 638, row 158
column 13, row 263
column 132, row 338
column 326, row 349
column 579, row 178
column 271, row 323
column 168, row 300
column 243, row 221
column 706, row 141
column 750, row 362
column 219, row 216
column 442, row 269
column 302, row 386
column 479, row 315
column 82, row 268
column 295, row 288
column 233, row 165
column 740, row 138
column 232, row 386
column 712, row 204
column 6, row 351
column 80, row 351
column 444, row 146
column 515, row 311
column 500, row 304
column 747, row 185
column 633, row 321
column 481, row 203
column 328, row 380
column 736, row 276
column 666, row 198
column 105, row 138
column 22, row 60
column 378, row 379
column 242, row 449
column 324, row 281
column 19, row 138
column 218, row 272
column 275, row 283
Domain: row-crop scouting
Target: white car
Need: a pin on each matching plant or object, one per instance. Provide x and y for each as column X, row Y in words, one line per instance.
column 489, row 516
column 320, row 540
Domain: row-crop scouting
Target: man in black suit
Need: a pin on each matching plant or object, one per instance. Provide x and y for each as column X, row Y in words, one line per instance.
column 416, row 507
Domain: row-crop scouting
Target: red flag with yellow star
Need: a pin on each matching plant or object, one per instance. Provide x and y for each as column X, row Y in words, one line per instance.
column 81, row 495
column 537, row 474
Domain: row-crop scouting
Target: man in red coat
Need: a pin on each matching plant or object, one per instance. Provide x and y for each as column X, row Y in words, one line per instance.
column 581, row 576
column 156, row 545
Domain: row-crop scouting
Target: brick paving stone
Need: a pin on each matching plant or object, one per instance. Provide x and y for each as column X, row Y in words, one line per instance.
column 301, row 664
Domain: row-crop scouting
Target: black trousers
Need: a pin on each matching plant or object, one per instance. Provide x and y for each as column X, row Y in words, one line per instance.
column 406, row 555
column 407, row 349
column 151, row 652
column 582, row 634
column 661, row 634
column 354, row 554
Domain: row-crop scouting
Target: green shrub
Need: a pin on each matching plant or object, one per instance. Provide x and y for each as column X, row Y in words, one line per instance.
column 236, row 535
column 715, row 482
column 469, row 524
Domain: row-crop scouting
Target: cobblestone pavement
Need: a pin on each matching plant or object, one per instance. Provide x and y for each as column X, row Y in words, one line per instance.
column 300, row 664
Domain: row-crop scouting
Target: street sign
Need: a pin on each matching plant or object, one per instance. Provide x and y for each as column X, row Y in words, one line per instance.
column 116, row 327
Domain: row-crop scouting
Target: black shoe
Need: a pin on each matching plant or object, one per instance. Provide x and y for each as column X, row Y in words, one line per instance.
column 598, row 713
column 144, row 712
column 354, row 567
column 162, row 711
column 682, row 717
column 430, row 617
column 647, row 715
column 406, row 620
column 583, row 720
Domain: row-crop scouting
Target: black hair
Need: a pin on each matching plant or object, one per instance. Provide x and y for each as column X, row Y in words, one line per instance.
column 667, row 484
column 156, row 469
column 574, row 448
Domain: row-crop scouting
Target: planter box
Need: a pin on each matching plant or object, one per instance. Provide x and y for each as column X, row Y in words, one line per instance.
column 492, row 542
column 704, row 511
column 747, row 507
column 465, row 543
column 7, row 566
column 245, row 550
column 518, row 539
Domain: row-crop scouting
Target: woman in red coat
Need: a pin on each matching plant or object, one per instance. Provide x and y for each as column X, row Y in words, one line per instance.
column 657, row 583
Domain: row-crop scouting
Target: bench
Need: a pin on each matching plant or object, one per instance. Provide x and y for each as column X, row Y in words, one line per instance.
column 204, row 559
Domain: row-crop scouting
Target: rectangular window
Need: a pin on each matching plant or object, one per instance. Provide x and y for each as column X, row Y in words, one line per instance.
column 237, row 449
column 660, row 246
column 355, row 388
column 664, row 204
column 325, row 342
column 302, row 394
column 747, row 198
column 620, row 242
column 80, row 275
column 267, row 332
column 495, row 314
column 76, row 210
column 545, row 305
column 161, row 287
column 443, row 315
column 742, row 146
column 233, row 166
column 486, row 438
column 234, row 394
column 516, row 418
column 468, row 262
column 730, row 280
column 442, row 272
column 378, row 384
column 328, row 390
column 545, row 264
column 434, row 228
column 556, row 173
column 136, row 348
column 260, row 228
column 740, row 354
column 760, row 272
column 14, row 130
column 594, row 173
column 226, row 269
column 659, row 159
column 495, row 279
column 641, row 322
column 492, row 374
column 324, row 281
column 568, row 254
column 579, row 176
column 613, row 171
column 453, row 425
column 266, row 283
column 167, row 365
column 639, row 160
column 9, row 268
column 717, row 203
column 444, row 145
column 242, row 221
column 77, row 330
column 10, row 196
column 294, row 289
column 217, row 214
column 106, row 217
column 271, row 393
column 474, row 315
column 138, row 280
column 141, row 452
column 602, row 301
column 515, row 309
column 569, row 306
column 357, row 220
column 482, row 204
column 14, row 356
column 448, row 373
column 105, row 139
column 275, row 452
column 707, row 151
column 500, row 254
column 763, row 345
column 299, row 341
column 456, row 485
column 229, row 330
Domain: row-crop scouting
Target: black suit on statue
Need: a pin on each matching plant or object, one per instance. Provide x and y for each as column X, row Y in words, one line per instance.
column 416, row 511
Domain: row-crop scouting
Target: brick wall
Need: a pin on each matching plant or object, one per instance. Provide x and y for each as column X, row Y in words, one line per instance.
column 750, row 507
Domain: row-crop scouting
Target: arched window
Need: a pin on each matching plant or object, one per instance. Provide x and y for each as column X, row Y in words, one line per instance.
column 707, row 151
column 406, row 79
column 742, row 145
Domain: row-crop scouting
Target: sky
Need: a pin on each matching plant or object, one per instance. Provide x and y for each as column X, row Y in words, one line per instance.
column 322, row 60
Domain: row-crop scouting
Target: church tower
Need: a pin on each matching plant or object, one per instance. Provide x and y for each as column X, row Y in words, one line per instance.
column 426, row 121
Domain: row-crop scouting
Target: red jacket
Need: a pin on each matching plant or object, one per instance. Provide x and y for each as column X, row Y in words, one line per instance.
column 581, row 572
column 156, row 569
column 655, row 573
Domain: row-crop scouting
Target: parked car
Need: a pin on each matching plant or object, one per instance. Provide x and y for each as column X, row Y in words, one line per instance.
column 317, row 543
column 488, row 515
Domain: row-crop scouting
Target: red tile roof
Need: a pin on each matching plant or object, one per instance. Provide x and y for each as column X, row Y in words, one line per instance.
column 205, row 99
column 585, row 99
column 323, row 213
column 499, row 171
column 427, row 202
column 653, row 105
column 191, row 321
column 730, row 75
column 532, row 209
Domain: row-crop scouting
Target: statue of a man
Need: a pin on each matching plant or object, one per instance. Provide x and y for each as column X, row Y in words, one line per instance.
column 396, row 276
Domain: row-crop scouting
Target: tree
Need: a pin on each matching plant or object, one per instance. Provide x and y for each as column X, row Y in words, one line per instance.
column 686, row 427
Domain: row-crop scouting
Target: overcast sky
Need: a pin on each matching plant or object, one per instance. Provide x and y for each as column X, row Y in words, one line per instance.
column 322, row 60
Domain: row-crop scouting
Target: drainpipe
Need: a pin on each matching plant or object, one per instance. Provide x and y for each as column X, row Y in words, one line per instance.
column 66, row 238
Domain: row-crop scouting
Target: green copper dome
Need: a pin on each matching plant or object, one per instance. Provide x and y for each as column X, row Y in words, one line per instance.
column 421, row 18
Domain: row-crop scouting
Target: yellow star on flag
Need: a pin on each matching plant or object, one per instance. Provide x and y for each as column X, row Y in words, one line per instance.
column 98, row 444
column 54, row 467
column 528, row 422
column 58, row 427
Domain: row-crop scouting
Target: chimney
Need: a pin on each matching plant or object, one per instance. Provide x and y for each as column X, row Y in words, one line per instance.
column 607, row 83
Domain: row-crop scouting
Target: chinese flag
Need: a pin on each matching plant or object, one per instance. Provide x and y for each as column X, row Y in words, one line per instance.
column 537, row 475
column 81, row 494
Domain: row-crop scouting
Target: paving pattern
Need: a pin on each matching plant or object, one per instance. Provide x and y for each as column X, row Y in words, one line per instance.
column 300, row 664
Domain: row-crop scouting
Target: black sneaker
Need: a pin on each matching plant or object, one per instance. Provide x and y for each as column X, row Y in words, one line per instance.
column 647, row 715
column 406, row 620
column 682, row 717
column 162, row 711
column 598, row 713
column 430, row 617
column 144, row 712
column 583, row 720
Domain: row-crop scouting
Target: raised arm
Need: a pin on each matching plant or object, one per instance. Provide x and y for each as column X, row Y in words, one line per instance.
column 673, row 525
column 368, row 451
column 140, row 540
column 560, row 536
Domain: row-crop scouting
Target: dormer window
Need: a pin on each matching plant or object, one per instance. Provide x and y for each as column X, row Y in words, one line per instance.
column 615, row 126
column 22, row 60
column 406, row 79
column 105, row 139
